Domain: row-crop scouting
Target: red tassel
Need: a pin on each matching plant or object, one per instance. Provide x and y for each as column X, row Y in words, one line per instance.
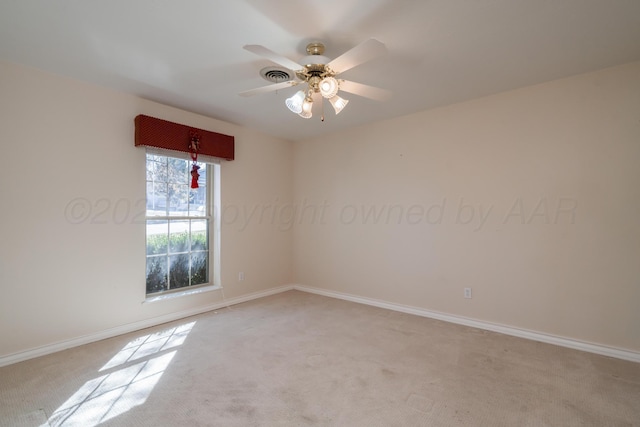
column 194, row 176
column 194, row 146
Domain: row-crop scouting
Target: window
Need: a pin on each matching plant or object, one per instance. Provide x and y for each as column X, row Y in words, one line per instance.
column 178, row 223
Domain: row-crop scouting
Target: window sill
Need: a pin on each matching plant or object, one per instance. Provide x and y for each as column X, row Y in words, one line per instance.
column 179, row 294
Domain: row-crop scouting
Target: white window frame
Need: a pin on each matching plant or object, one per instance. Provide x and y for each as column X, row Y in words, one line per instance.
column 212, row 209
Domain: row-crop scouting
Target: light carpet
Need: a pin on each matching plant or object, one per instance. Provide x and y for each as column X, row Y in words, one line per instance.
column 298, row 359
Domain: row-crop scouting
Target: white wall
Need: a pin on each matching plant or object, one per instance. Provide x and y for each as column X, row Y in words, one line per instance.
column 530, row 197
column 62, row 140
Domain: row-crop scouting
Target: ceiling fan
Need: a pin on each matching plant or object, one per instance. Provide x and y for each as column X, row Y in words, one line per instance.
column 320, row 74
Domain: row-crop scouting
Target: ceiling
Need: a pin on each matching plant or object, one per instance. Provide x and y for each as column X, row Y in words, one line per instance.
column 189, row 53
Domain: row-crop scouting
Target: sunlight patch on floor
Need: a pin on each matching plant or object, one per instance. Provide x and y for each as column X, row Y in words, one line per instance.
column 116, row 392
column 150, row 344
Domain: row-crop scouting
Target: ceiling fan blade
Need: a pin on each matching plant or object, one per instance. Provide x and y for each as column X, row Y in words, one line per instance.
column 366, row 91
column 362, row 53
column 269, row 88
column 272, row 56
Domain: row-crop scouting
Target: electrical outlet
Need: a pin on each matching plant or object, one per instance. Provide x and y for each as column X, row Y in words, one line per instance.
column 241, row 276
column 467, row 292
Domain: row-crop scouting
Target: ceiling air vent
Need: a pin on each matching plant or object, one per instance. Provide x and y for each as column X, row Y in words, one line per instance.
column 276, row 75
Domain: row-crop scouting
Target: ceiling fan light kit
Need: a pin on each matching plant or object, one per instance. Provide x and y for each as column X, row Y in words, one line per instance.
column 302, row 104
column 295, row 102
column 329, row 87
column 319, row 73
column 307, row 106
column 338, row 103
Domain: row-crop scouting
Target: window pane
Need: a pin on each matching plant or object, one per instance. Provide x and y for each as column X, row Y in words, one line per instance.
column 177, row 170
column 157, row 237
column 157, row 199
column 150, row 168
column 157, row 165
column 203, row 174
column 178, row 236
column 156, row 274
column 198, row 201
column 179, row 271
column 199, row 268
column 199, row 241
column 178, row 199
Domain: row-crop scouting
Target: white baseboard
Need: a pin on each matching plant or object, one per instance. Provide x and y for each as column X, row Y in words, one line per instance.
column 132, row 327
column 618, row 353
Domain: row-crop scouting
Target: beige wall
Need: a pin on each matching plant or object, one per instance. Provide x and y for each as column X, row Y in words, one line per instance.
column 530, row 197
column 61, row 140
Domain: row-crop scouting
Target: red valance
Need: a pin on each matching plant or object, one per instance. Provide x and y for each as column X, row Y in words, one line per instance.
column 160, row 133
